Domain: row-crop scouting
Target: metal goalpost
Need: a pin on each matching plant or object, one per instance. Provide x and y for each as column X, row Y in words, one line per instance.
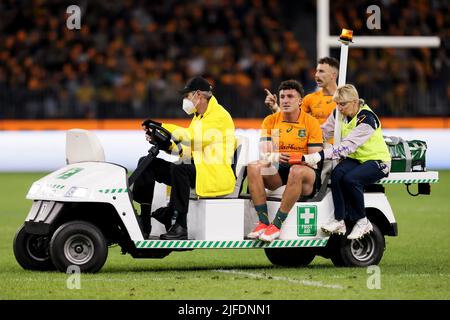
column 325, row 41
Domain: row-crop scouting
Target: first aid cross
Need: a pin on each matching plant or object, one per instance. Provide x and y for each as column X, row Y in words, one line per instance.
column 307, row 215
column 306, row 221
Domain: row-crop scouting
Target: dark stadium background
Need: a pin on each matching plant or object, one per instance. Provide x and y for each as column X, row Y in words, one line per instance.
column 130, row 57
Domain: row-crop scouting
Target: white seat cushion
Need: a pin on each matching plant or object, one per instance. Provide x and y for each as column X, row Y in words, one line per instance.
column 83, row 145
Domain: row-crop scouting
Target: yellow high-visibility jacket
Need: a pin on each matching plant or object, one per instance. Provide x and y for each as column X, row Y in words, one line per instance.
column 211, row 140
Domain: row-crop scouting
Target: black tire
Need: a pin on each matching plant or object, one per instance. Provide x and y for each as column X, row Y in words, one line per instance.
column 32, row 251
column 334, row 244
column 290, row 257
column 78, row 243
column 363, row 252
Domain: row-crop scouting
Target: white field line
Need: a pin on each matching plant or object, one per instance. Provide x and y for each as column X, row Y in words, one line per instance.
column 277, row 278
column 254, row 275
column 402, row 275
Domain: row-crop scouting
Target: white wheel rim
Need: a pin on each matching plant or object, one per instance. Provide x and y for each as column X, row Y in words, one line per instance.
column 79, row 249
column 363, row 249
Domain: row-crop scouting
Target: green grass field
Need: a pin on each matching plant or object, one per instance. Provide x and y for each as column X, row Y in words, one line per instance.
column 416, row 264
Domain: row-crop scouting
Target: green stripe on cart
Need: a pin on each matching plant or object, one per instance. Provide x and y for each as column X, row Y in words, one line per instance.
column 228, row 244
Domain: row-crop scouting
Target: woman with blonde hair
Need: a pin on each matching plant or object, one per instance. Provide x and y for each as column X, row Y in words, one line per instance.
column 365, row 160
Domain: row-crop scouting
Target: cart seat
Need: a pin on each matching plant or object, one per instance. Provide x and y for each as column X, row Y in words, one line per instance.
column 83, row 145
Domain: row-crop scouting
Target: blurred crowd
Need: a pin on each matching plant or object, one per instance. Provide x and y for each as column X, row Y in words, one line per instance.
column 130, row 57
column 400, row 82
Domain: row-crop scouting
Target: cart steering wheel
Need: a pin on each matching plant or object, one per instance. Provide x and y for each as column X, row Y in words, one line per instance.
column 161, row 136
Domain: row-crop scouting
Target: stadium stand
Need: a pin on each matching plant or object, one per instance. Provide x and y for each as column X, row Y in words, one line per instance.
column 130, row 57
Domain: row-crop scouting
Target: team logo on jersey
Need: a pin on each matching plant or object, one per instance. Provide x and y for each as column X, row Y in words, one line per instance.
column 302, row 133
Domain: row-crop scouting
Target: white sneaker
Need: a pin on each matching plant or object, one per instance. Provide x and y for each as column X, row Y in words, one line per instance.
column 335, row 227
column 361, row 228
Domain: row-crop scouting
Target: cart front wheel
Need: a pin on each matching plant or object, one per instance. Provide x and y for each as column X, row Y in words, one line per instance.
column 81, row 244
column 32, row 251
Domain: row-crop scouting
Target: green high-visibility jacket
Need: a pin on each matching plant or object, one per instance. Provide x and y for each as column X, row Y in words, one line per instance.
column 373, row 149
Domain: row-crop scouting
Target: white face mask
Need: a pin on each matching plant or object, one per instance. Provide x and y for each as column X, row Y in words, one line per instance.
column 188, row 106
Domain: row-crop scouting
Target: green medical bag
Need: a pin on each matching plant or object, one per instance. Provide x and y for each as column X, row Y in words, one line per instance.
column 406, row 155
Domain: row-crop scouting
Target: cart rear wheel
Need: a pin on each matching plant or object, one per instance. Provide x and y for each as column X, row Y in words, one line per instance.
column 361, row 252
column 334, row 245
column 290, row 257
column 32, row 251
column 78, row 243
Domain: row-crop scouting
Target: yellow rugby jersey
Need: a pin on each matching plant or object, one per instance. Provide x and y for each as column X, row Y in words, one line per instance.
column 292, row 137
column 318, row 105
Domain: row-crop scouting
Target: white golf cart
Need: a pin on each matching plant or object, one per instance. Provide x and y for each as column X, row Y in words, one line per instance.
column 86, row 206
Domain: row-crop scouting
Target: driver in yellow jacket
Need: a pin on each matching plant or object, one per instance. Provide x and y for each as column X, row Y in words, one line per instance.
column 207, row 150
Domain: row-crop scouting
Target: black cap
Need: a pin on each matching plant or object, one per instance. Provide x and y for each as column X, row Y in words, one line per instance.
column 196, row 83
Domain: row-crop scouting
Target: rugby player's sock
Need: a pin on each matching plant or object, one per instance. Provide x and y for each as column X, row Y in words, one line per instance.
column 263, row 216
column 279, row 218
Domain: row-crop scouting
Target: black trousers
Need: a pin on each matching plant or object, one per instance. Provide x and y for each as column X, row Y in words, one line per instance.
column 347, row 184
column 180, row 176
